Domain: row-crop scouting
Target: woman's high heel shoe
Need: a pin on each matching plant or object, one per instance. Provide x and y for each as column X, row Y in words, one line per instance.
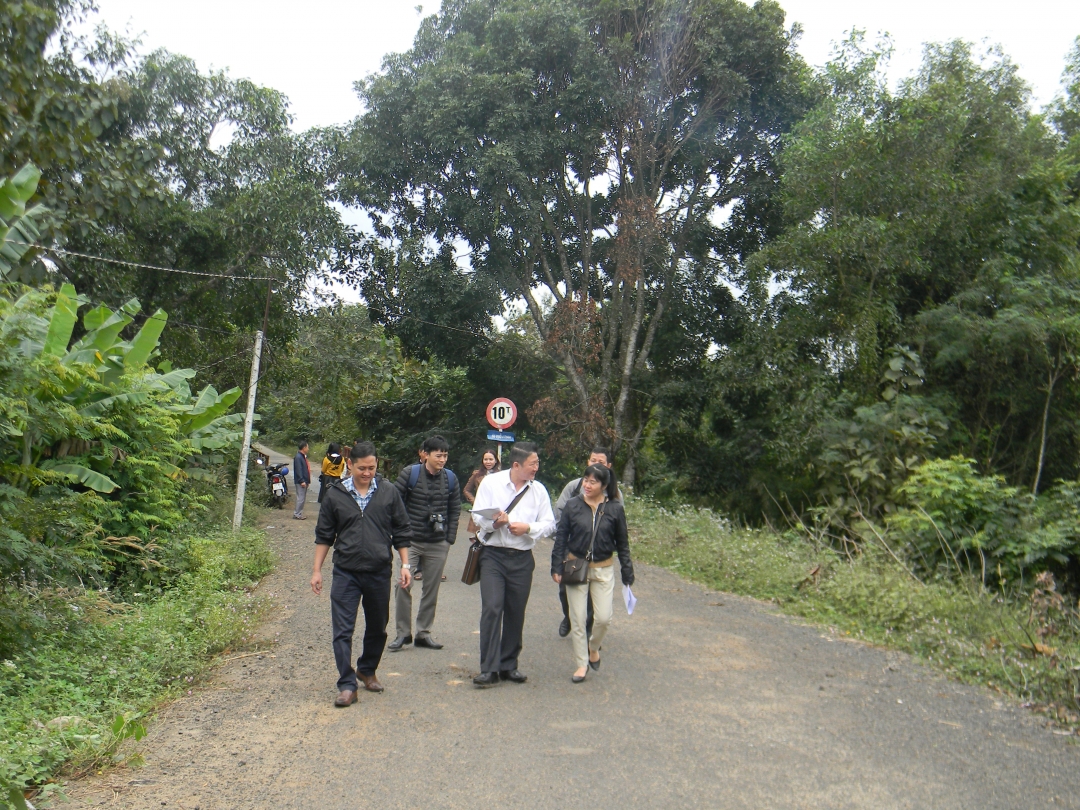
column 595, row 664
column 578, row 678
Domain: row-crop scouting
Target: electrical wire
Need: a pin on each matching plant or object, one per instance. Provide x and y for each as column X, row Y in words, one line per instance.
column 389, row 314
column 201, row 328
column 138, row 265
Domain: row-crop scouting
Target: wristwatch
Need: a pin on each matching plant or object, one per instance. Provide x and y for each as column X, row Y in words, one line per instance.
column 406, row 566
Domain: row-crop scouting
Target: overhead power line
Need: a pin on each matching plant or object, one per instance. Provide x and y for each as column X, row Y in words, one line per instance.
column 139, row 265
column 403, row 316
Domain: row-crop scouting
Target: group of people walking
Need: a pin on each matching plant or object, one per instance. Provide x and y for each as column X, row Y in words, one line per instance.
column 369, row 521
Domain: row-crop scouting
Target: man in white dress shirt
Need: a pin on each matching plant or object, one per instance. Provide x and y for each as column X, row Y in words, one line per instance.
column 513, row 511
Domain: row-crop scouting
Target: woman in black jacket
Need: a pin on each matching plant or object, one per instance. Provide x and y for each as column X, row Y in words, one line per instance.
column 592, row 527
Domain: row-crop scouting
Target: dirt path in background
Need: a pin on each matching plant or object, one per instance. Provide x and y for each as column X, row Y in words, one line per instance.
column 703, row 700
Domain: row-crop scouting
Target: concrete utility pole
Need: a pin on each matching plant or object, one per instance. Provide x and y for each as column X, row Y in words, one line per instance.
column 245, row 448
column 249, row 418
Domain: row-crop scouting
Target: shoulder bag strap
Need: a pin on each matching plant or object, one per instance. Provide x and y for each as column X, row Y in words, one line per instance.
column 517, row 498
column 595, row 524
column 510, row 508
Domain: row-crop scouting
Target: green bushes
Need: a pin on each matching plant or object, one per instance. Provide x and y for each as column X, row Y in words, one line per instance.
column 95, row 659
column 954, row 518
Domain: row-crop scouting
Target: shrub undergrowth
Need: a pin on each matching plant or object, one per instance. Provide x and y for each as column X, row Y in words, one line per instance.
column 1023, row 643
column 97, row 663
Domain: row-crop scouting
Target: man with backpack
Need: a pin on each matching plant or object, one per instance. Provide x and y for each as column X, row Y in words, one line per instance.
column 433, row 500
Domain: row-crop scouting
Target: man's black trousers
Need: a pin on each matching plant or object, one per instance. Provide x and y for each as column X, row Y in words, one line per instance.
column 348, row 591
column 506, row 576
column 566, row 609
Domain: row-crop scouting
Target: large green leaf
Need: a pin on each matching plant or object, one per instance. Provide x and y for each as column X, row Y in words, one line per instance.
column 85, row 476
column 211, row 405
column 15, row 192
column 62, row 322
column 25, row 182
column 95, row 317
column 104, row 337
column 19, row 228
column 144, row 343
column 175, row 380
column 100, row 406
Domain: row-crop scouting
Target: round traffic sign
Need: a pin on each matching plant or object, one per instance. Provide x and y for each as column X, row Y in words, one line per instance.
column 501, row 413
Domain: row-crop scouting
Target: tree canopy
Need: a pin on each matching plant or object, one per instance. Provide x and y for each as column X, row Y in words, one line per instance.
column 603, row 162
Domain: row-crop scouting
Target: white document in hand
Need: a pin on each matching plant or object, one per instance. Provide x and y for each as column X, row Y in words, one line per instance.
column 629, row 599
column 488, row 514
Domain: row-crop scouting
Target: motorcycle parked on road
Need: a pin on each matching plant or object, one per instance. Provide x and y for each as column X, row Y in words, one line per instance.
column 277, row 481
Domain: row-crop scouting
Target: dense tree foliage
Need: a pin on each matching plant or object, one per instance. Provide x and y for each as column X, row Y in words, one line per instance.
column 932, row 238
column 615, row 156
column 149, row 161
column 345, row 379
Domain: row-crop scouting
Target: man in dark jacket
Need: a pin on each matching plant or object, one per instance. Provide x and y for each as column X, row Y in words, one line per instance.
column 363, row 518
column 301, row 476
column 433, row 500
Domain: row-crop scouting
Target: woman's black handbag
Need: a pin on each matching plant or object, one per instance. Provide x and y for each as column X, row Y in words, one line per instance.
column 575, row 571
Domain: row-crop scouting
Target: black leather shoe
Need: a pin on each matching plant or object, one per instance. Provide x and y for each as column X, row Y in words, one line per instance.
column 398, row 643
column 486, row 679
column 515, row 675
column 564, row 628
column 427, row 641
column 577, row 678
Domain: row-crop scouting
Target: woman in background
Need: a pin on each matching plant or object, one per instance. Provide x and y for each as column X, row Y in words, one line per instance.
column 489, row 463
column 592, row 527
column 333, row 465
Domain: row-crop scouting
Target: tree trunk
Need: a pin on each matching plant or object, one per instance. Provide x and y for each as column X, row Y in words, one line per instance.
column 1051, row 380
column 629, row 472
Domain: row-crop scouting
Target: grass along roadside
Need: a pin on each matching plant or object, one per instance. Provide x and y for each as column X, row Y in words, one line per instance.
column 99, row 664
column 1026, row 645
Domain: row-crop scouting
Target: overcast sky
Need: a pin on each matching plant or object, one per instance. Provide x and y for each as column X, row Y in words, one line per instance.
column 314, row 51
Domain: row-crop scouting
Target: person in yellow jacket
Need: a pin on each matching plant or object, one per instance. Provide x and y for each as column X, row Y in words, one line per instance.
column 333, row 465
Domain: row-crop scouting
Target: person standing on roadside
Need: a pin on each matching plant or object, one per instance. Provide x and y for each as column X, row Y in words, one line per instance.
column 333, row 468
column 513, row 511
column 592, row 528
column 489, row 463
column 301, row 478
column 364, row 520
column 433, row 501
column 602, row 456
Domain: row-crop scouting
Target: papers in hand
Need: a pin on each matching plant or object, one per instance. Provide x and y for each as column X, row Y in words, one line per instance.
column 487, row 514
column 629, row 599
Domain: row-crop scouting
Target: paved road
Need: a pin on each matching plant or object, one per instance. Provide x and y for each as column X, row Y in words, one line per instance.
column 703, row 700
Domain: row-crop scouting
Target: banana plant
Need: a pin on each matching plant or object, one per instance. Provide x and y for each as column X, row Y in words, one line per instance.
column 20, row 226
column 100, row 372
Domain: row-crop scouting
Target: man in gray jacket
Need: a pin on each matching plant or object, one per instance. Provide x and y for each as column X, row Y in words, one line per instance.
column 363, row 518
